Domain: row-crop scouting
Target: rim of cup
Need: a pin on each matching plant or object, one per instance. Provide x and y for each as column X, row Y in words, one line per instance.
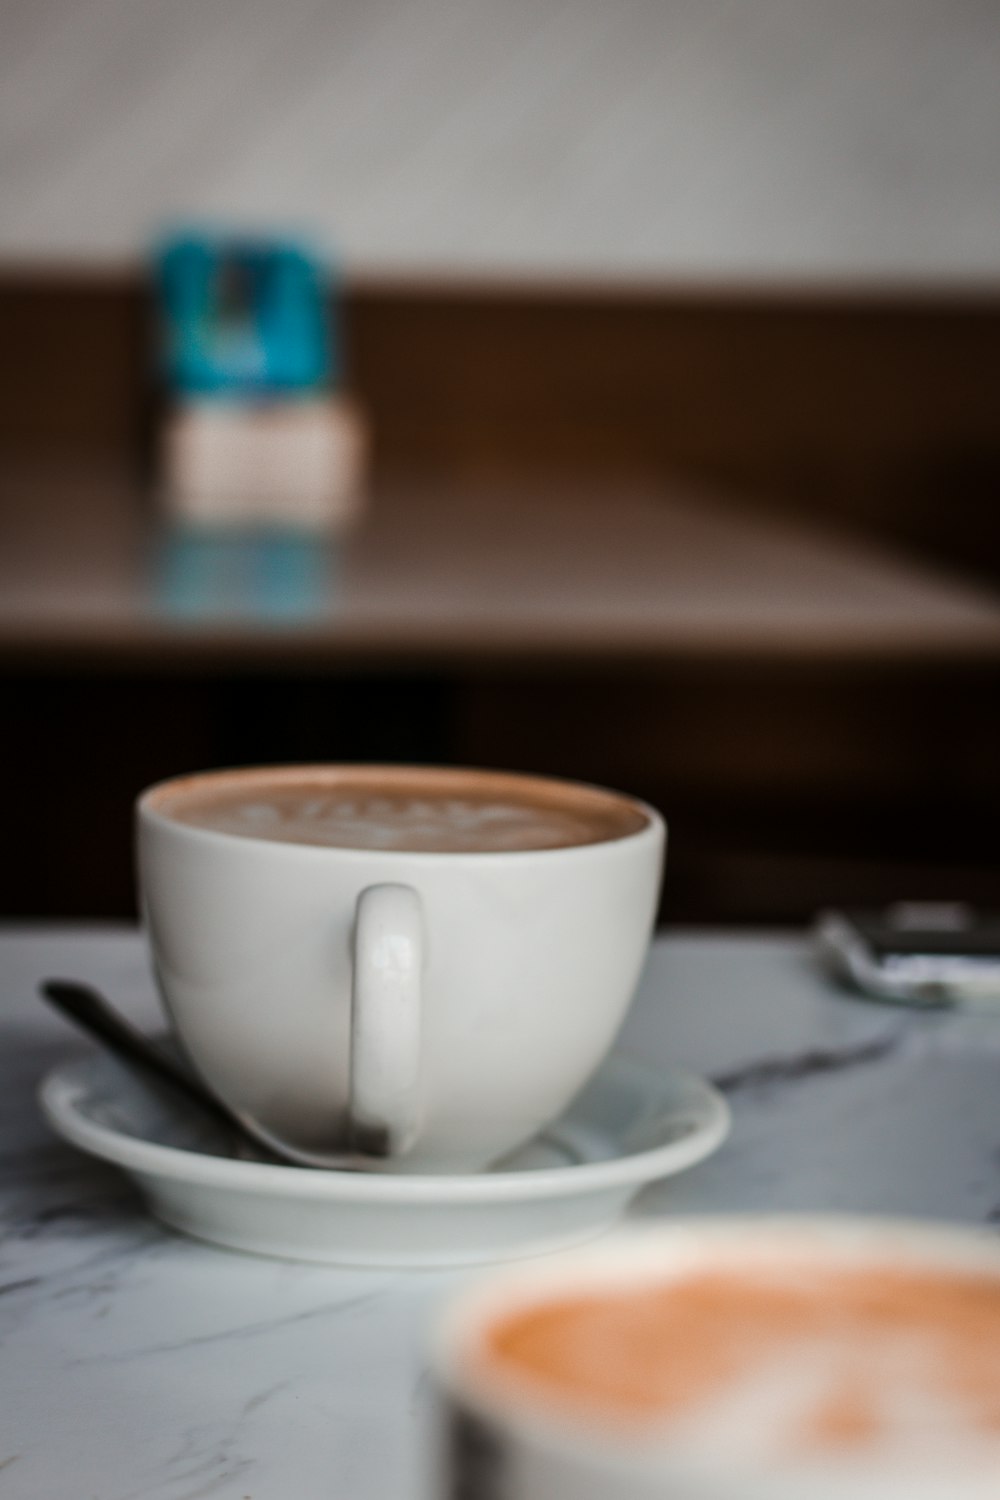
column 148, row 811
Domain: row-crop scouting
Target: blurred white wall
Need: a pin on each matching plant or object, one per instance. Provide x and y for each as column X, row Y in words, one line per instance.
column 720, row 139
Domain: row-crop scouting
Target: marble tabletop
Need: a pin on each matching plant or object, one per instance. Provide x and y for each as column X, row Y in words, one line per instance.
column 137, row 1365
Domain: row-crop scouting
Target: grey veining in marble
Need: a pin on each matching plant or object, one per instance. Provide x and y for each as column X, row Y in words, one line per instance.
column 790, row 139
column 135, row 1365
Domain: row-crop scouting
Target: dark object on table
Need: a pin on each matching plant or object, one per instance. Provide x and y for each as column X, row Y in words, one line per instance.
column 915, row 952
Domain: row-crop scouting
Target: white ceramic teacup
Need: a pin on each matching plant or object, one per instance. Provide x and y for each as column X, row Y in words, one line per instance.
column 434, row 1008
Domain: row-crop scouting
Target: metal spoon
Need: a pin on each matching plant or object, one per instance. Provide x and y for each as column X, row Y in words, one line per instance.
column 93, row 1014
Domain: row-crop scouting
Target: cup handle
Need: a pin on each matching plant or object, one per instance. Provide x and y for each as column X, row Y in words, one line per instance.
column 385, row 1020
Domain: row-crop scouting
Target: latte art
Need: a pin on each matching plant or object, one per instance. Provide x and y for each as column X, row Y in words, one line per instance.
column 418, row 811
column 402, row 823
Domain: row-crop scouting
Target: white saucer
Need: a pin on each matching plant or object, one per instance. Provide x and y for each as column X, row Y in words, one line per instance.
column 629, row 1127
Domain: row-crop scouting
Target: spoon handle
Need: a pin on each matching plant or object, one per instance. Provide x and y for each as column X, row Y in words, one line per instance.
column 93, row 1014
column 89, row 1011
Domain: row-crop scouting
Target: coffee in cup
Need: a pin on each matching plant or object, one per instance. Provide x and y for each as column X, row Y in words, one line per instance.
column 421, row 964
column 416, row 811
column 735, row 1361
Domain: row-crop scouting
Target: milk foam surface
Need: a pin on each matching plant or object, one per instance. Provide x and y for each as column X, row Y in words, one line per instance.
column 430, row 812
column 902, row 1366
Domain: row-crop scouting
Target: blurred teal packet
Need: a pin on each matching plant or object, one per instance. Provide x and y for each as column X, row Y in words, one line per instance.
column 245, row 317
column 257, row 431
